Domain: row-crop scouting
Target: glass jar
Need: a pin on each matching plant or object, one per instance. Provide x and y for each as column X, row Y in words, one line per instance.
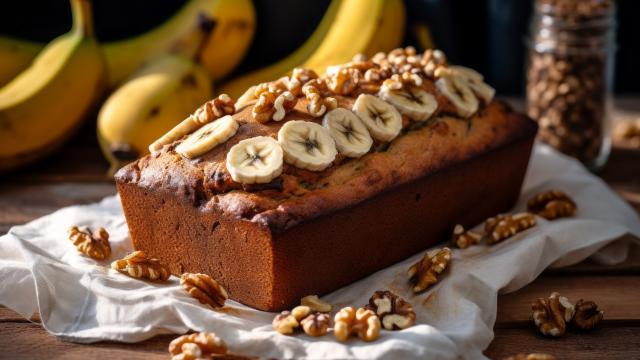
column 570, row 76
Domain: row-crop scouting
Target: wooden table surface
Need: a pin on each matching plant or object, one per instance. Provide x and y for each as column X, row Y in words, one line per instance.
column 77, row 174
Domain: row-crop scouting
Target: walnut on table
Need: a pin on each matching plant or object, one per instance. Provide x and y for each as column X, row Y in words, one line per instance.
column 93, row 244
column 139, row 265
column 502, row 227
column 204, row 288
column 587, row 315
column 362, row 322
column 395, row 312
column 552, row 204
column 552, row 315
column 425, row 272
column 197, row 346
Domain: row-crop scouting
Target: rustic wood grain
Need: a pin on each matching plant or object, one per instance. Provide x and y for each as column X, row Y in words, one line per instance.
column 608, row 343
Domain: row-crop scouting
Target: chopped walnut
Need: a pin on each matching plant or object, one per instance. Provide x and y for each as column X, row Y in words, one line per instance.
column 214, row 109
column 138, row 265
column 288, row 321
column 204, row 288
column 299, row 77
column 394, row 311
column 587, row 315
column 552, row 204
column 464, row 238
column 93, row 244
column 315, row 324
column 196, row 346
column 263, row 109
column 431, row 61
column 551, row 315
column 315, row 304
column 534, row 356
column 273, row 105
column 344, row 81
column 502, row 227
column 318, row 105
column 364, row 323
column 284, row 103
column 425, row 272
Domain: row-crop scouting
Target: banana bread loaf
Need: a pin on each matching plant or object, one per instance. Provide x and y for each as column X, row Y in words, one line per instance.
column 325, row 205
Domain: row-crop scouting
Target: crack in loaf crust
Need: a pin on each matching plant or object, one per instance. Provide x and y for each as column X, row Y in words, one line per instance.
column 271, row 244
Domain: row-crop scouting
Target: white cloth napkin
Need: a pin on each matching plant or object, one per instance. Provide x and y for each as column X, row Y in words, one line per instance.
column 84, row 301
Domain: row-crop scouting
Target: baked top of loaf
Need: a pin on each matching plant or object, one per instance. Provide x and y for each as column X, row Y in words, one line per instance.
column 297, row 195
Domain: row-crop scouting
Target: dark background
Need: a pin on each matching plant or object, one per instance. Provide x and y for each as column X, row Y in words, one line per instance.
column 487, row 35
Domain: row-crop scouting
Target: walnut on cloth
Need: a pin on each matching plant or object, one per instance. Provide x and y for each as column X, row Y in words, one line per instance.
column 502, row 227
column 204, row 288
column 464, row 238
column 425, row 272
column 138, row 265
column 288, row 321
column 93, row 244
column 394, row 312
column 196, row 346
column 362, row 322
column 552, row 204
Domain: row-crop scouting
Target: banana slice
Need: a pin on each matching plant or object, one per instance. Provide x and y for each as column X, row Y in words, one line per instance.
column 208, row 137
column 246, row 99
column 186, row 126
column 476, row 82
column 381, row 118
column 457, row 90
column 350, row 134
column 412, row 101
column 307, row 145
column 256, row 160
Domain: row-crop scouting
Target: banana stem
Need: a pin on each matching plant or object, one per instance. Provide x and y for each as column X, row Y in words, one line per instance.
column 82, row 17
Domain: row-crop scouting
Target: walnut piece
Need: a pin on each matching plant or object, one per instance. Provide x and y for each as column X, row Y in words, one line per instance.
column 288, row 321
column 587, row 315
column 284, row 103
column 552, row 315
column 425, row 272
column 552, row 204
column 315, row 324
column 273, row 104
column 501, row 227
column 196, row 346
column 93, row 244
column 364, row 323
column 534, row 356
column 344, row 81
column 214, row 109
column 204, row 288
column 395, row 312
column 318, row 105
column 299, row 77
column 315, row 304
column 138, row 265
column 464, row 238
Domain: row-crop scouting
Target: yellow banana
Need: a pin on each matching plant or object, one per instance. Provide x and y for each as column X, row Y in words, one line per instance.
column 44, row 104
column 362, row 26
column 149, row 104
column 237, row 86
column 234, row 25
column 15, row 56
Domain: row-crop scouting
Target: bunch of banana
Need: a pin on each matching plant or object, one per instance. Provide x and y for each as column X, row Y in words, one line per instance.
column 349, row 27
column 43, row 105
column 148, row 105
column 234, row 27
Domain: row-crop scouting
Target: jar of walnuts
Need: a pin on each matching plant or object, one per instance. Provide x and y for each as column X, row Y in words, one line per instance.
column 570, row 74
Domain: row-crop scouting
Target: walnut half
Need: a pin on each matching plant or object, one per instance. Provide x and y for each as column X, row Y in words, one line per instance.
column 395, row 312
column 204, row 288
column 464, row 238
column 315, row 304
column 315, row 324
column 138, row 265
column 364, row 323
column 587, row 316
column 425, row 272
column 288, row 321
column 552, row 315
column 93, row 244
column 502, row 227
column 196, row 346
column 552, row 204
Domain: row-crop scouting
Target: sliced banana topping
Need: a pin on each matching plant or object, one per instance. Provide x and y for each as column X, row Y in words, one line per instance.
column 350, row 134
column 457, row 90
column 412, row 101
column 307, row 145
column 476, row 82
column 256, row 160
column 248, row 98
column 381, row 118
column 208, row 137
column 186, row 126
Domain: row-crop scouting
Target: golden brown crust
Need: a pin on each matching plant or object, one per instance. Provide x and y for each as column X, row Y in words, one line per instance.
column 299, row 195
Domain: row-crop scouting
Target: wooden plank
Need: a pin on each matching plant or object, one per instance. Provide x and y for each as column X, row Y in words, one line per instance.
column 617, row 296
column 631, row 266
column 610, row 343
column 20, row 203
